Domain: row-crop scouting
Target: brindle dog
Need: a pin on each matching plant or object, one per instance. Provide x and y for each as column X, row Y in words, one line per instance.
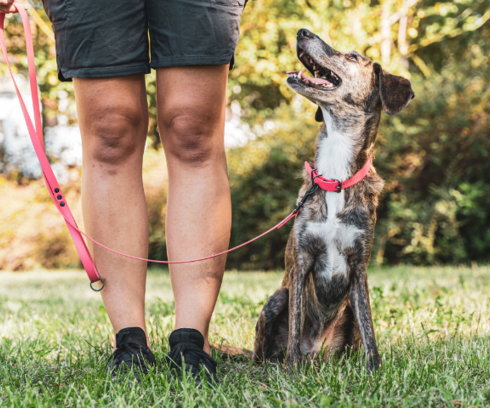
column 323, row 302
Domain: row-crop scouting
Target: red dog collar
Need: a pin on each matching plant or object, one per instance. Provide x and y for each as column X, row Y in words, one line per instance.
column 337, row 185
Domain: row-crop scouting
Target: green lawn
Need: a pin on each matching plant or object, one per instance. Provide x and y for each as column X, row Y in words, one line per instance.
column 432, row 326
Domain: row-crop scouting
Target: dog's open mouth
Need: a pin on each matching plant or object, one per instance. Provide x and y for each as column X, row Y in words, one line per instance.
column 324, row 78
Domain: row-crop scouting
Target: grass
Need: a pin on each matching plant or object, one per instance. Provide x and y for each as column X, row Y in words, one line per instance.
column 432, row 326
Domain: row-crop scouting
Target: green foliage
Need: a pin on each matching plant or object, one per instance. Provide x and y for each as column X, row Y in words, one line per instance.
column 431, row 325
column 436, row 161
column 45, row 54
column 265, row 178
column 433, row 155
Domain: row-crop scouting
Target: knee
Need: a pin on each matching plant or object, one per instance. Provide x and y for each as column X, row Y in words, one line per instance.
column 191, row 139
column 117, row 136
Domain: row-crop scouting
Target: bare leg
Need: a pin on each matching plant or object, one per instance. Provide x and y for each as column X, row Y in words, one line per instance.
column 191, row 114
column 113, row 116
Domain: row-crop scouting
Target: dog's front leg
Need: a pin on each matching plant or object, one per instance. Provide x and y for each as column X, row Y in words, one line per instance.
column 359, row 298
column 296, row 314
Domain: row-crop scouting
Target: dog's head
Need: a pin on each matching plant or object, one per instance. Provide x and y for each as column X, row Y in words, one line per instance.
column 345, row 80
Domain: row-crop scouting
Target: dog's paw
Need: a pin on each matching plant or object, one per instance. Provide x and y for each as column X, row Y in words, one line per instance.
column 374, row 367
column 294, row 364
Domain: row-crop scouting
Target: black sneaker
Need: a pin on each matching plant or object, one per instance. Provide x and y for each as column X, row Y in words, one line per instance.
column 186, row 352
column 131, row 354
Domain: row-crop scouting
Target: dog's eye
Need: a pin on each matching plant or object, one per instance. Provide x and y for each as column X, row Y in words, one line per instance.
column 352, row 57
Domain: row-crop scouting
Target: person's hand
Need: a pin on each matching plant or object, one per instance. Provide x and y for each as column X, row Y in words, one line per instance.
column 7, row 6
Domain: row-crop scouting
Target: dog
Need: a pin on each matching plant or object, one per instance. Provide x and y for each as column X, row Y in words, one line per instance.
column 323, row 305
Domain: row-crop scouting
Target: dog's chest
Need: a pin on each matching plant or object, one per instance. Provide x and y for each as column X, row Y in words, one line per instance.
column 335, row 238
column 334, row 155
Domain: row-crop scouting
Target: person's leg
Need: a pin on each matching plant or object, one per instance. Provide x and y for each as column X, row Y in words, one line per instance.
column 113, row 117
column 191, row 115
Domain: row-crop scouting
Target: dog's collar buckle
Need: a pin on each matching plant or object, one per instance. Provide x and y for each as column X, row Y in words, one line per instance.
column 338, row 187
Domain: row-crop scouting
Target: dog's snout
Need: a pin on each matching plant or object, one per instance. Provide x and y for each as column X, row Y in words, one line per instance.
column 304, row 33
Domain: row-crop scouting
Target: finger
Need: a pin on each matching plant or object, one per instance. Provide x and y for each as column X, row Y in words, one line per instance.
column 12, row 9
column 8, row 9
column 7, row 6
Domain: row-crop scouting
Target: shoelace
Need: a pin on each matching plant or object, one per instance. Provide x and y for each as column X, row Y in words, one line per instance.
column 132, row 353
column 192, row 356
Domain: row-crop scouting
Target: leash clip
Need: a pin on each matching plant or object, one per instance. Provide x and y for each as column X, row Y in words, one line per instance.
column 310, row 191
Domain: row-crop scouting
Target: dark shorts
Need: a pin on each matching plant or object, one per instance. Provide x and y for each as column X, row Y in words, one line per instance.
column 108, row 38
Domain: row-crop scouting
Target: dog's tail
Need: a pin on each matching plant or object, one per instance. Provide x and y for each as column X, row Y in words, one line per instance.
column 227, row 352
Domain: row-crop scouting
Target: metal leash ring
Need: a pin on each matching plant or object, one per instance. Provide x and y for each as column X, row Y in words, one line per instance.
column 314, row 178
column 311, row 174
column 97, row 290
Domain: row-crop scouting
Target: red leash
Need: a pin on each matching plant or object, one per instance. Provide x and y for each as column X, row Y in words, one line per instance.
column 37, row 139
column 36, row 135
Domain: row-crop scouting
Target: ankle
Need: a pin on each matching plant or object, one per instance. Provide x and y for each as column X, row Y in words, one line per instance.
column 207, row 346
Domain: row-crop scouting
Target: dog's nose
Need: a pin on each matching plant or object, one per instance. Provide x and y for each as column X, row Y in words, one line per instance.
column 304, row 33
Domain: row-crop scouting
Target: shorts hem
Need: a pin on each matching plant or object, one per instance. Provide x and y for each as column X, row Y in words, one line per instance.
column 191, row 60
column 105, row 72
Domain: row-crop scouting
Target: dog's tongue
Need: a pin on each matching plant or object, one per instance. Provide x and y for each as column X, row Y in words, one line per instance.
column 316, row 81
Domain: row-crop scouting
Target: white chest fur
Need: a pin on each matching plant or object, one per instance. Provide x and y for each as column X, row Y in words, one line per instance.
column 334, row 157
column 338, row 237
column 335, row 152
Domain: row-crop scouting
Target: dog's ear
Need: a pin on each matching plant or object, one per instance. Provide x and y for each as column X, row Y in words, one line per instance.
column 395, row 91
column 319, row 115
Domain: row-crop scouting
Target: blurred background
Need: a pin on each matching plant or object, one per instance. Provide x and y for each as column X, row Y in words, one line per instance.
column 434, row 155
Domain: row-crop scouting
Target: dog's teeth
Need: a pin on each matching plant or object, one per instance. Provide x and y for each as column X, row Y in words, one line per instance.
column 301, row 54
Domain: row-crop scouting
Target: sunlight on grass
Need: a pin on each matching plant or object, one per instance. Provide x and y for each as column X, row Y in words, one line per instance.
column 432, row 326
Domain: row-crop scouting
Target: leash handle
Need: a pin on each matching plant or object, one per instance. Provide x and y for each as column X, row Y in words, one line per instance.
column 36, row 135
column 37, row 139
